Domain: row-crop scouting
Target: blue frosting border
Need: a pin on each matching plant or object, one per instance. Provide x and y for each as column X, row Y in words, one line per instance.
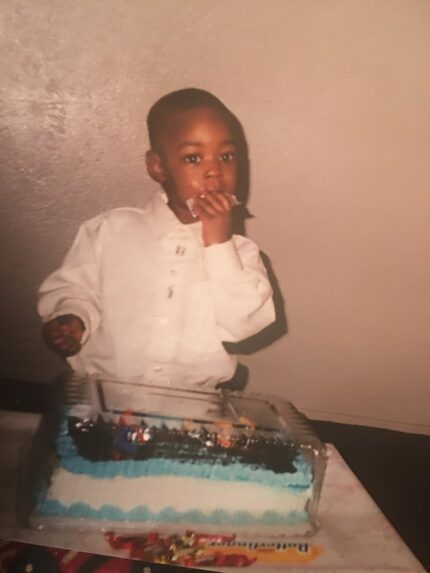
column 169, row 515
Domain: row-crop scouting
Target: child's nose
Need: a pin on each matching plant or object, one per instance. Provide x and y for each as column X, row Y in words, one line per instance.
column 213, row 169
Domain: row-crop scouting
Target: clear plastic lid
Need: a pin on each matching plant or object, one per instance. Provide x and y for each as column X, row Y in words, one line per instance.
column 94, row 398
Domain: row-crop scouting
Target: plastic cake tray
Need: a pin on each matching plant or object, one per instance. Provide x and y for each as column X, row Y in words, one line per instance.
column 108, row 400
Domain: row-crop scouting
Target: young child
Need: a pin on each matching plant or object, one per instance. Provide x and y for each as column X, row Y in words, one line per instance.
column 153, row 293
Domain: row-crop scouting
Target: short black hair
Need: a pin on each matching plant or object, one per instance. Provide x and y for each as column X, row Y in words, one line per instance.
column 184, row 100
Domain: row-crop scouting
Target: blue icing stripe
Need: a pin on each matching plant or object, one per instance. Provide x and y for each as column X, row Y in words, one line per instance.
column 170, row 515
column 237, row 472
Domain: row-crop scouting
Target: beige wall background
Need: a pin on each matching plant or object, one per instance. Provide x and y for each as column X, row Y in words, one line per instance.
column 334, row 96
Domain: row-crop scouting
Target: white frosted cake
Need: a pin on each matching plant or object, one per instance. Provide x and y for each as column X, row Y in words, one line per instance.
column 181, row 459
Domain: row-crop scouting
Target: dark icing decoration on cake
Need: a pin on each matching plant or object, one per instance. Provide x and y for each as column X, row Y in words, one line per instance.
column 107, row 441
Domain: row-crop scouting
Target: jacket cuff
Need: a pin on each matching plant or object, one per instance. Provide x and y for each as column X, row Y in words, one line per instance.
column 222, row 260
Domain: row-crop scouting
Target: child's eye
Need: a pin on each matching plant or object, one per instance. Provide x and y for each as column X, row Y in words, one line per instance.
column 192, row 158
column 228, row 156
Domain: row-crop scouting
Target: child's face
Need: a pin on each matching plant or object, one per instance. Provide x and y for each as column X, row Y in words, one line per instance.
column 196, row 154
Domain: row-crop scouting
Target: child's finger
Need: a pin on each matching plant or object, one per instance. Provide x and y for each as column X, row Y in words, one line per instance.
column 218, row 200
column 67, row 331
column 73, row 331
column 69, row 346
column 54, row 336
column 214, row 206
column 57, row 340
column 205, row 206
column 76, row 330
column 223, row 200
column 60, row 339
column 60, row 343
column 73, row 348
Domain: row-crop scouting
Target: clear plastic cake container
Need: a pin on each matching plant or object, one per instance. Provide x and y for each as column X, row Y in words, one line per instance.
column 223, row 422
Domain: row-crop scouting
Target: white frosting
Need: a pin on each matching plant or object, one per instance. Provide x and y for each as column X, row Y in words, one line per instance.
column 180, row 493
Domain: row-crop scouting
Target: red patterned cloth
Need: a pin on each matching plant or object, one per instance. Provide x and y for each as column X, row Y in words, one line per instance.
column 24, row 558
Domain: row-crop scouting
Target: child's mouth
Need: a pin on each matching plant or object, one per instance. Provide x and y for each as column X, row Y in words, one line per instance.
column 234, row 202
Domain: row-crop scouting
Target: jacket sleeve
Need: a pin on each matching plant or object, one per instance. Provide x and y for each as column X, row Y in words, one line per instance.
column 240, row 288
column 74, row 287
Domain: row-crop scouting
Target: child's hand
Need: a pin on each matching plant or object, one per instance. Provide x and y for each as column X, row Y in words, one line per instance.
column 214, row 210
column 63, row 334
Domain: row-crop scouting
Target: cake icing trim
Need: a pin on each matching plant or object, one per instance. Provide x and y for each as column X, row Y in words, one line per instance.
column 236, row 472
column 169, row 515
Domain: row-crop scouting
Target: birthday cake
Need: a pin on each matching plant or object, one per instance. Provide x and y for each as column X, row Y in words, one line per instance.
column 183, row 459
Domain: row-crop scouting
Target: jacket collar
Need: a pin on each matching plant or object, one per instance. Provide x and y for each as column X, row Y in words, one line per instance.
column 162, row 221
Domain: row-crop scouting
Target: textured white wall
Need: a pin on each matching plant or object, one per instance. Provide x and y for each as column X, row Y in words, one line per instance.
column 334, row 97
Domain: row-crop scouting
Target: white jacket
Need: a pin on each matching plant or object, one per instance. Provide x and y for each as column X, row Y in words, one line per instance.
column 155, row 302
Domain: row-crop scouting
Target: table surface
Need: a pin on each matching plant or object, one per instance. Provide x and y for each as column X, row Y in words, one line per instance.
column 354, row 535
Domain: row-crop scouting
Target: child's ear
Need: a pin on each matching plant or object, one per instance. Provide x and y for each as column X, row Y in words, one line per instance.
column 154, row 166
